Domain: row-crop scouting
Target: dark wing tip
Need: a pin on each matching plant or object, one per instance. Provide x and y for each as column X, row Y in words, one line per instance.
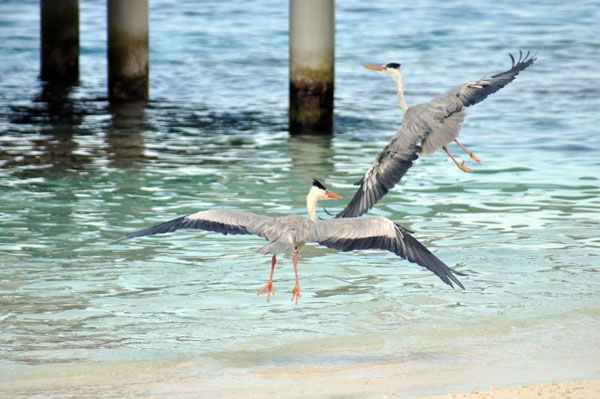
column 475, row 92
column 402, row 244
column 415, row 252
column 525, row 60
column 161, row 228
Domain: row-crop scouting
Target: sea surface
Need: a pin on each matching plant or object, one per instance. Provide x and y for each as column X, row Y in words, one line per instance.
column 177, row 315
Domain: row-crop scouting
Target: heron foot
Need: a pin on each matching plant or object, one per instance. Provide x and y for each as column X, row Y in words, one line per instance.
column 461, row 166
column 270, row 290
column 467, row 151
column 464, row 168
column 296, row 293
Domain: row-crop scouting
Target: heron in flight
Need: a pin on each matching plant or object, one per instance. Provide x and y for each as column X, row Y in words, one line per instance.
column 425, row 128
column 289, row 234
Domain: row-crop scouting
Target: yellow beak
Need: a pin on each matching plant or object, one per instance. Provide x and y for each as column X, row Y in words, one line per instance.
column 377, row 68
column 333, row 195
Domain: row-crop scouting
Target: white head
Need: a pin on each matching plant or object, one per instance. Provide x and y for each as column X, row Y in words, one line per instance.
column 317, row 192
column 392, row 69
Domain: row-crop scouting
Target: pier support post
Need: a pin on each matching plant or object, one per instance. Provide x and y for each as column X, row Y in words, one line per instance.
column 59, row 29
column 312, row 53
column 128, row 60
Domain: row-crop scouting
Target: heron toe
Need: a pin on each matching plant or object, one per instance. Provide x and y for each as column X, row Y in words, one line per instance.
column 270, row 290
column 463, row 167
column 296, row 293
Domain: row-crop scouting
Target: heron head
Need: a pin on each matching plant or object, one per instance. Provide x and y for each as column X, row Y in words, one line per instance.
column 319, row 191
column 389, row 69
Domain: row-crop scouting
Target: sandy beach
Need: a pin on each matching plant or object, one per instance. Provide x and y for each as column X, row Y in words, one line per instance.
column 185, row 379
column 586, row 389
column 298, row 385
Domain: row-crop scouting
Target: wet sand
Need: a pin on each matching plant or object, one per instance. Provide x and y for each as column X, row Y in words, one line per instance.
column 193, row 378
column 514, row 367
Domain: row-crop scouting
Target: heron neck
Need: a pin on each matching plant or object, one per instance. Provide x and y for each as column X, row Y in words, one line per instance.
column 311, row 205
column 398, row 79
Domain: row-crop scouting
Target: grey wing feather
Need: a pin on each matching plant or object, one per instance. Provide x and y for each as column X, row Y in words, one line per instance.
column 220, row 221
column 474, row 92
column 441, row 130
column 387, row 170
column 380, row 233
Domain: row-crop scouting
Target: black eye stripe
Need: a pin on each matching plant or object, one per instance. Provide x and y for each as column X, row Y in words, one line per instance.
column 317, row 183
column 394, row 65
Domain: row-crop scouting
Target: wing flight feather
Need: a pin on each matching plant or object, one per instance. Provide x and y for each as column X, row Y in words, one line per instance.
column 350, row 234
column 219, row 221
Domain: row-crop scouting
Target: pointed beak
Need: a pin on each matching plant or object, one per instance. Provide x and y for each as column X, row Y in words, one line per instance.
column 333, row 195
column 377, row 68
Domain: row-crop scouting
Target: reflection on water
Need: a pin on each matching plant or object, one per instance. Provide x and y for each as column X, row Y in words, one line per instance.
column 311, row 157
column 76, row 173
column 124, row 137
column 59, row 117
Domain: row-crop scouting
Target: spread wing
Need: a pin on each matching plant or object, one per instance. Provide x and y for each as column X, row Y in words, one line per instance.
column 444, row 114
column 379, row 233
column 342, row 234
column 219, row 221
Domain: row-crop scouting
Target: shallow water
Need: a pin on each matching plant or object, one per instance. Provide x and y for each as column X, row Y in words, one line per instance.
column 77, row 173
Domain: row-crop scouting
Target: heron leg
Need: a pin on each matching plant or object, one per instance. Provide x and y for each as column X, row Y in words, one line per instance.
column 461, row 166
column 296, row 292
column 269, row 285
column 468, row 152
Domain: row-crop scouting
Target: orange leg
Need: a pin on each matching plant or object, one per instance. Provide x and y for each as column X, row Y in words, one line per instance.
column 468, row 152
column 296, row 292
column 461, row 166
column 269, row 285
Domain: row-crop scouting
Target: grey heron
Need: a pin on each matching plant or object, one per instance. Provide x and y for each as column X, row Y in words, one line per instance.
column 425, row 128
column 290, row 233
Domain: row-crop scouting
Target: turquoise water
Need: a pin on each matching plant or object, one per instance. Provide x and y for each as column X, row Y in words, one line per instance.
column 151, row 314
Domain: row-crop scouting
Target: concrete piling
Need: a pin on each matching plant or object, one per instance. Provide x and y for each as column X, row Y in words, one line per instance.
column 312, row 56
column 128, row 56
column 59, row 27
